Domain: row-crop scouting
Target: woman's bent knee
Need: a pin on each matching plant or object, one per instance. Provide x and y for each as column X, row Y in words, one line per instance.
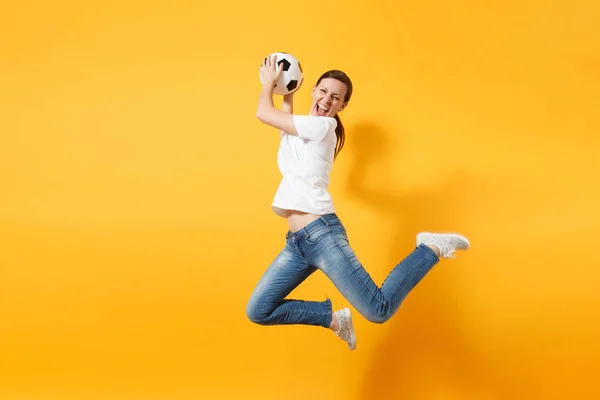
column 377, row 315
column 377, row 318
column 254, row 314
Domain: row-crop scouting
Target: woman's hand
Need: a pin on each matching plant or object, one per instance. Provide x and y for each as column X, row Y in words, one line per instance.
column 270, row 71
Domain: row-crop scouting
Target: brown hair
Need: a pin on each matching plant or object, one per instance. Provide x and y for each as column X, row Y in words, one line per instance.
column 339, row 130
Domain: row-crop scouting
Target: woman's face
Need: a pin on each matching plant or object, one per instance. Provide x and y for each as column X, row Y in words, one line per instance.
column 328, row 98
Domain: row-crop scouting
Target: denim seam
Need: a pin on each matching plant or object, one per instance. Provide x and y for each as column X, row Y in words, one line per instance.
column 304, row 311
column 321, row 314
column 335, row 240
column 309, row 312
column 409, row 274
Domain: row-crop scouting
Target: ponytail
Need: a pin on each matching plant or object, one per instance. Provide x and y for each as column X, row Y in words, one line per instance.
column 341, row 137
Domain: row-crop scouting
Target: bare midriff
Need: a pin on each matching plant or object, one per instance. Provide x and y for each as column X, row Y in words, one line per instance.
column 298, row 219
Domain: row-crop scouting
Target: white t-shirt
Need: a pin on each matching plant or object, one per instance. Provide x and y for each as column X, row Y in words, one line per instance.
column 305, row 162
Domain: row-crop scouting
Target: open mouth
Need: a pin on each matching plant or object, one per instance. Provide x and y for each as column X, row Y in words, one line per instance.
column 321, row 110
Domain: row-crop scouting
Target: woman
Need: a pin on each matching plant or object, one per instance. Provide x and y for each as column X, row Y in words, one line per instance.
column 316, row 239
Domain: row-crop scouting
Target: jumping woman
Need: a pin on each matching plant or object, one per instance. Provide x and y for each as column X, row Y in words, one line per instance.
column 316, row 238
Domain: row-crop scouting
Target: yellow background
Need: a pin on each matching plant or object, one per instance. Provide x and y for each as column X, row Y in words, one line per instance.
column 136, row 187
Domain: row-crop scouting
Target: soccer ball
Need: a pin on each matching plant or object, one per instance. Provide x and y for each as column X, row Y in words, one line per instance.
column 290, row 79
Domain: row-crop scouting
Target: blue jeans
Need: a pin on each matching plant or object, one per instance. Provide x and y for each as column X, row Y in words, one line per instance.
column 323, row 245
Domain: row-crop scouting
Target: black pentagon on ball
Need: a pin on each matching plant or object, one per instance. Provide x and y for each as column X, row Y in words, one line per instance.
column 292, row 85
column 286, row 64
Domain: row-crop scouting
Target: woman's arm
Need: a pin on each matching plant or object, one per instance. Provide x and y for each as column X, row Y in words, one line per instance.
column 266, row 112
column 288, row 104
column 287, row 107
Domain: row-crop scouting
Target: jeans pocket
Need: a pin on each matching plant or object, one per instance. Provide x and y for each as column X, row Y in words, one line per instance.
column 339, row 234
column 317, row 235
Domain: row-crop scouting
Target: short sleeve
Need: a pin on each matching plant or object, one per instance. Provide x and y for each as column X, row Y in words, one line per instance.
column 313, row 128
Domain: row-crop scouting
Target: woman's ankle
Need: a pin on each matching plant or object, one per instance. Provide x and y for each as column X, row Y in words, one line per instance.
column 434, row 248
column 335, row 325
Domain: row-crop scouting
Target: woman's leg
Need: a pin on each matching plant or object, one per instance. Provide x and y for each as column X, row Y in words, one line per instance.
column 377, row 304
column 326, row 246
column 267, row 305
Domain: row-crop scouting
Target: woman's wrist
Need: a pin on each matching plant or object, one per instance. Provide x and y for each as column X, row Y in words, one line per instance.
column 268, row 86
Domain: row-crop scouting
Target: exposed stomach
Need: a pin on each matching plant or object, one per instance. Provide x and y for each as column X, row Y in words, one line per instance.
column 298, row 219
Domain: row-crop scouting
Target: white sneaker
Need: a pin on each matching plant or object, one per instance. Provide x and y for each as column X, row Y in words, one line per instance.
column 346, row 330
column 448, row 243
